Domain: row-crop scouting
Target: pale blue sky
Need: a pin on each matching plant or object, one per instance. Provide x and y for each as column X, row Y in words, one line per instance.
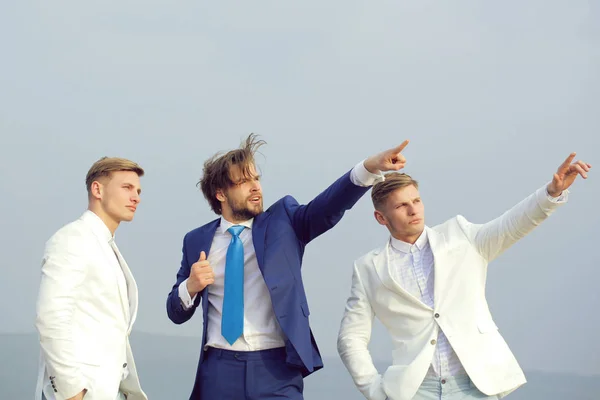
column 493, row 96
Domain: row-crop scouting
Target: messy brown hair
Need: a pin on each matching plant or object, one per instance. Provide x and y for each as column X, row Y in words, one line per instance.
column 104, row 167
column 216, row 173
column 393, row 181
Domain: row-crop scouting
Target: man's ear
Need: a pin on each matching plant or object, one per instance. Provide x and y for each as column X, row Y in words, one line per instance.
column 380, row 217
column 220, row 195
column 96, row 190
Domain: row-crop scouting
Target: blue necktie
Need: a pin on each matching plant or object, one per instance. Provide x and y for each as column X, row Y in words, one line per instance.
column 232, row 322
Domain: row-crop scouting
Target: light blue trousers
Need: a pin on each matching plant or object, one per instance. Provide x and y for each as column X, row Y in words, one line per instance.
column 120, row 396
column 455, row 388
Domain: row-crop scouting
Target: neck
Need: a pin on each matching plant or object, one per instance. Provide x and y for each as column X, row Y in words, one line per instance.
column 411, row 239
column 110, row 223
column 233, row 218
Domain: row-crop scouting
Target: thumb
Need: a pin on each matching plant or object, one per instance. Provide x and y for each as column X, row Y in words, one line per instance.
column 556, row 179
column 202, row 256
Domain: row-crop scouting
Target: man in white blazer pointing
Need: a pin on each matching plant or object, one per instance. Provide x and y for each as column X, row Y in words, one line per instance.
column 88, row 298
column 427, row 286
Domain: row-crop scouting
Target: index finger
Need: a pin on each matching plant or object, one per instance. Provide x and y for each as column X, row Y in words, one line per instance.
column 401, row 147
column 565, row 165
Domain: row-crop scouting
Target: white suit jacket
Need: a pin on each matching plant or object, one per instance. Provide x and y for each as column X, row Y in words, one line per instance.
column 462, row 251
column 86, row 308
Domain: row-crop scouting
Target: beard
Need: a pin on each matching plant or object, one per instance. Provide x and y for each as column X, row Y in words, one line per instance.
column 242, row 212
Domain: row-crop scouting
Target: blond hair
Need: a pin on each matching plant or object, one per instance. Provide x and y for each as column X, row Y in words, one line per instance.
column 105, row 166
column 393, row 181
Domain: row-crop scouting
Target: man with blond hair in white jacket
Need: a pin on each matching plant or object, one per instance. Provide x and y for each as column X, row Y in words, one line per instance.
column 88, row 298
column 427, row 287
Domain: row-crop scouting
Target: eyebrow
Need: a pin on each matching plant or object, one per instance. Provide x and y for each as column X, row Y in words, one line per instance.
column 132, row 185
column 244, row 179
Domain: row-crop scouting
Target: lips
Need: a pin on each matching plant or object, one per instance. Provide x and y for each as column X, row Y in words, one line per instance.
column 132, row 208
column 415, row 221
column 255, row 199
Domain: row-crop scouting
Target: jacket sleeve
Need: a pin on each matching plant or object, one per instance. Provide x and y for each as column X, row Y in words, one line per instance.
column 493, row 238
column 353, row 341
column 175, row 309
column 64, row 270
column 325, row 210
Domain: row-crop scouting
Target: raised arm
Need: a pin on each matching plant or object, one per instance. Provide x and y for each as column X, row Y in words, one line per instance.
column 327, row 209
column 492, row 238
column 353, row 341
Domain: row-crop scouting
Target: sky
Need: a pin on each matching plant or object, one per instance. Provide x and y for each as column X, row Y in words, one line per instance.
column 492, row 96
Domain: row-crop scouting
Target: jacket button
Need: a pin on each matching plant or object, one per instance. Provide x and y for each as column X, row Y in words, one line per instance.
column 125, row 365
column 443, row 381
column 437, row 315
column 433, row 341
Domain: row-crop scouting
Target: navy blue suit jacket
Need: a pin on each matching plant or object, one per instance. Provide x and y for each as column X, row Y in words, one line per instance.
column 280, row 235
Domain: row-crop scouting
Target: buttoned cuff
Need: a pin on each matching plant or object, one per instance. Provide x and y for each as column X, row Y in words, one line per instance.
column 186, row 301
column 361, row 177
column 67, row 387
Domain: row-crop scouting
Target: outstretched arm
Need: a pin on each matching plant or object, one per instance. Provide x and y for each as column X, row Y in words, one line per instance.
column 327, row 209
column 492, row 238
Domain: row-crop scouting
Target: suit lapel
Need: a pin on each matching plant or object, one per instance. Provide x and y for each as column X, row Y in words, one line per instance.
column 130, row 302
column 113, row 260
column 437, row 242
column 204, row 244
column 383, row 267
column 259, row 230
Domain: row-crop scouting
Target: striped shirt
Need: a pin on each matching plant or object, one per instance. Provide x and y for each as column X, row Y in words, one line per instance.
column 412, row 269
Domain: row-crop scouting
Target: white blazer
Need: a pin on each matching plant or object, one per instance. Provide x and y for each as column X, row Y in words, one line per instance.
column 462, row 251
column 86, row 308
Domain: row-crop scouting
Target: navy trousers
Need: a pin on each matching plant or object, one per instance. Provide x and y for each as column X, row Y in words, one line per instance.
column 249, row 375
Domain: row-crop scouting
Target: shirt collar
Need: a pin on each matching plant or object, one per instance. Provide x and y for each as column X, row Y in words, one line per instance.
column 226, row 224
column 405, row 247
column 97, row 225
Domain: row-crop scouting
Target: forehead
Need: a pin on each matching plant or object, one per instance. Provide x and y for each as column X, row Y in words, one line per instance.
column 407, row 193
column 236, row 172
column 122, row 177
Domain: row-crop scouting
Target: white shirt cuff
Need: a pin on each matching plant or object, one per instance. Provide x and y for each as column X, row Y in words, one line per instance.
column 186, row 301
column 361, row 177
column 564, row 196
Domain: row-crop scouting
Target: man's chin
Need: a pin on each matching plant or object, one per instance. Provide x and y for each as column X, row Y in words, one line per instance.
column 127, row 218
column 255, row 210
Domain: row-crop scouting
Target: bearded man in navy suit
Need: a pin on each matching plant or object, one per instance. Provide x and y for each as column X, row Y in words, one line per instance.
column 244, row 268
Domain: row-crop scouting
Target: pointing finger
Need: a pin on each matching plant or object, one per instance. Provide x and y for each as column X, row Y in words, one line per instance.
column 564, row 167
column 400, row 148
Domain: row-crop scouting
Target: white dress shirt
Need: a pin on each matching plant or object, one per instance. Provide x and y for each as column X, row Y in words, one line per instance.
column 412, row 268
column 261, row 329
